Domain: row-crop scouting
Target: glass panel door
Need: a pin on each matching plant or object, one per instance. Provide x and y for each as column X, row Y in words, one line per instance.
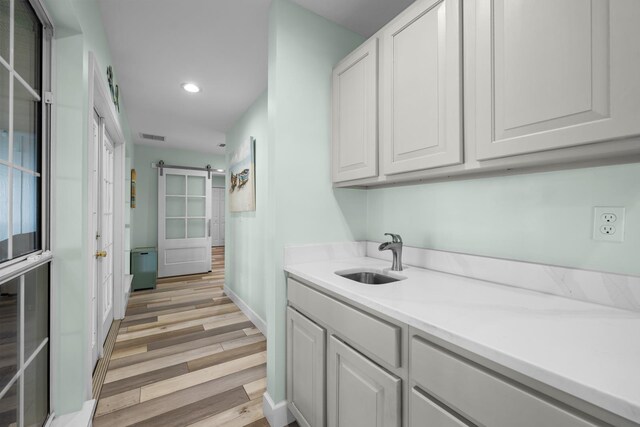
column 184, row 213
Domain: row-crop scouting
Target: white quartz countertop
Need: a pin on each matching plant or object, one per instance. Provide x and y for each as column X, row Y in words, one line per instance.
column 587, row 350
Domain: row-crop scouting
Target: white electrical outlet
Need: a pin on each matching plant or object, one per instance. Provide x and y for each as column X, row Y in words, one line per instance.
column 608, row 223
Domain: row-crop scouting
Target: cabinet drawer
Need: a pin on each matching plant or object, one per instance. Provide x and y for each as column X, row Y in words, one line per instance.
column 380, row 338
column 424, row 411
column 481, row 396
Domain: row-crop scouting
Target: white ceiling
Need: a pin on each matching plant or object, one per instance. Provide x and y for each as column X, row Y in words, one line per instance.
column 156, row 45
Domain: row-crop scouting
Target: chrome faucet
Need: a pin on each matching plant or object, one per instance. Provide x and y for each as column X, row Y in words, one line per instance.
column 395, row 246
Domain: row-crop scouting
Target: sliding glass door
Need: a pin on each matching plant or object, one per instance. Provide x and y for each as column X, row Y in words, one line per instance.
column 24, row 261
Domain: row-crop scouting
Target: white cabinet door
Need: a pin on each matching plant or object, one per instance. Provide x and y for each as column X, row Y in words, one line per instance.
column 552, row 74
column 305, row 369
column 421, row 75
column 359, row 392
column 355, row 115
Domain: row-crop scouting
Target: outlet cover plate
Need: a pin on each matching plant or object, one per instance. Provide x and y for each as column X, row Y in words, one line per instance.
column 602, row 217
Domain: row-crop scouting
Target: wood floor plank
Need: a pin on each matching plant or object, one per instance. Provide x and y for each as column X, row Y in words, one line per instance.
column 256, row 389
column 224, row 320
column 161, row 362
column 145, row 410
column 251, row 331
column 116, row 402
column 225, row 356
column 156, row 337
column 171, row 385
column 141, row 321
column 262, row 422
column 178, row 348
column 197, row 335
column 229, row 345
column 127, row 351
column 198, row 410
column 237, row 416
column 183, row 316
column 141, row 380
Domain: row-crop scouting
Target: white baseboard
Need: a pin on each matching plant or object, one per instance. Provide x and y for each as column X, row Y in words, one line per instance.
column 81, row 418
column 277, row 414
column 252, row 315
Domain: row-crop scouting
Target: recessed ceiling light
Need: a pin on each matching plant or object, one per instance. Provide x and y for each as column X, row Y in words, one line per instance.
column 190, row 87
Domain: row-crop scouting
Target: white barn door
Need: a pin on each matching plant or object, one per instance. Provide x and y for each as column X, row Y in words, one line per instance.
column 184, row 215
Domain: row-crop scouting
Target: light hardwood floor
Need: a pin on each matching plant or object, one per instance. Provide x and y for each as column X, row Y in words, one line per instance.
column 185, row 355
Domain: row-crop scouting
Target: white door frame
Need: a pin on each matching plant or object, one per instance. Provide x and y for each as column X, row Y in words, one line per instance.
column 100, row 101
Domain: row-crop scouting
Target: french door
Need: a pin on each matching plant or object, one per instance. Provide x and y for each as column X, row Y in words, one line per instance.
column 105, row 261
column 184, row 216
column 102, row 203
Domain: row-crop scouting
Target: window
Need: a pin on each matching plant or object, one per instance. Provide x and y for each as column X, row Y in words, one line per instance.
column 24, row 282
column 20, row 130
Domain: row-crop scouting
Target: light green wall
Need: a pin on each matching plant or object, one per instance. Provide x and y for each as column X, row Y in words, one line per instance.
column 245, row 242
column 539, row 217
column 303, row 206
column 69, row 230
column 78, row 29
column 144, row 229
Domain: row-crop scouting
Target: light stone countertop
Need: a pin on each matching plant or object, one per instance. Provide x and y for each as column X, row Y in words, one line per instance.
column 587, row 350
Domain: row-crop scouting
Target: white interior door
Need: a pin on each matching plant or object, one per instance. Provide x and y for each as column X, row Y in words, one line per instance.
column 105, row 261
column 217, row 216
column 95, row 195
column 184, row 215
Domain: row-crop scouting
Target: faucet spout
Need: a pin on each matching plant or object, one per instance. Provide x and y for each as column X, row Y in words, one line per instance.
column 395, row 246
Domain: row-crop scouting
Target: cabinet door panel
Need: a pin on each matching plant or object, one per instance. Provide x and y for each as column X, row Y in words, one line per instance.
column 422, row 81
column 554, row 74
column 359, row 392
column 355, row 115
column 305, row 369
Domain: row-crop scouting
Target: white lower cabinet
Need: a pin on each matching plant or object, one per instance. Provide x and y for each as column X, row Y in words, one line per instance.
column 430, row 383
column 359, row 392
column 305, row 369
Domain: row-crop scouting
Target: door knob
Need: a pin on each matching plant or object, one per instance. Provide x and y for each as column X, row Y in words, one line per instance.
column 101, row 254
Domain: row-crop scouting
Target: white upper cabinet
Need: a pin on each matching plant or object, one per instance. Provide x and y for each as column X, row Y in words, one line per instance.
column 552, row 74
column 355, row 115
column 422, row 89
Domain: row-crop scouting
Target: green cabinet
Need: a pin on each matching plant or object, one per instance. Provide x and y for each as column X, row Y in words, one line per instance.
column 144, row 267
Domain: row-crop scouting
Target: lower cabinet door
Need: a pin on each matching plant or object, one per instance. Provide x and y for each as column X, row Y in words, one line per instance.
column 359, row 392
column 423, row 411
column 305, row 369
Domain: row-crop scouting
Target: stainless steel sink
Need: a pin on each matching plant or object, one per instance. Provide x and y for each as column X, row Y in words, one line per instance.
column 368, row 277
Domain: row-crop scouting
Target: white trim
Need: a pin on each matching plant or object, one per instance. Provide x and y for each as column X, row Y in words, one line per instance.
column 277, row 414
column 81, row 418
column 252, row 315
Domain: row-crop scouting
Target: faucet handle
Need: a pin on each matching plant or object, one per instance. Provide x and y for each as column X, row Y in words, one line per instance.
column 395, row 238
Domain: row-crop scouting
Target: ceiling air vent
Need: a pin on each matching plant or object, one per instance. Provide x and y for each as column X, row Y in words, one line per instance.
column 151, row 137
